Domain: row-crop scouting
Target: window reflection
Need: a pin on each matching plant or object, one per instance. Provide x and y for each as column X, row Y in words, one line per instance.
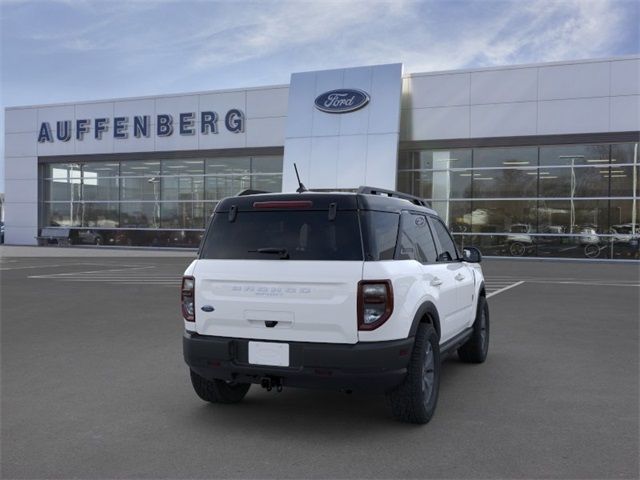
column 182, row 215
column 506, row 157
column 576, row 217
column 103, row 215
column 505, row 183
column 438, row 185
column 140, row 188
column 182, row 188
column 578, row 201
column 457, row 214
column 561, row 199
column 622, row 180
column 137, row 168
column 63, row 214
column 140, row 214
column 149, row 194
column 573, row 155
column 503, row 216
column 574, row 182
column 434, row 159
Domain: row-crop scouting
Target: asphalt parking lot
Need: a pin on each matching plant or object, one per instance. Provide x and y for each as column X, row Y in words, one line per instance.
column 94, row 385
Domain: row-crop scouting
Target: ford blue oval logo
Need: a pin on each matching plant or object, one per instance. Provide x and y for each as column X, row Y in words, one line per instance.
column 342, row 101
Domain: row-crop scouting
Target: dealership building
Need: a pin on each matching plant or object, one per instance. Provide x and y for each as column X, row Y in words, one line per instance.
column 526, row 160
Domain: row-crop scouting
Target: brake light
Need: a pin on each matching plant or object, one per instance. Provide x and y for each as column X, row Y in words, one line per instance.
column 187, row 298
column 375, row 303
column 284, row 204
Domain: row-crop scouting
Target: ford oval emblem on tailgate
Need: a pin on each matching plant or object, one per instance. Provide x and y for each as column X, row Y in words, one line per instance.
column 342, row 101
column 207, row 308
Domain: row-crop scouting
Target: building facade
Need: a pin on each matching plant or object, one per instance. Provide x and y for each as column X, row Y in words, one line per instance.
column 532, row 160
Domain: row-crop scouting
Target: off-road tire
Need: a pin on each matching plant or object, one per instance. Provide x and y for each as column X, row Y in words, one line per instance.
column 218, row 391
column 413, row 401
column 476, row 348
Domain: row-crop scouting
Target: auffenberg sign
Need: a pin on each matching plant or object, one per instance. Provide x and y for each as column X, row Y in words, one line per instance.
column 140, row 126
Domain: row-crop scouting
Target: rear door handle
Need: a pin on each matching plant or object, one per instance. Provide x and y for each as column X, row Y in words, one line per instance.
column 436, row 282
column 459, row 277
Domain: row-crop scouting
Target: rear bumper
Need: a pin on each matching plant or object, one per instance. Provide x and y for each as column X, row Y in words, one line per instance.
column 372, row 367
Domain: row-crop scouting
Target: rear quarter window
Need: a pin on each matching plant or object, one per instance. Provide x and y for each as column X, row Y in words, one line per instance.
column 381, row 234
column 303, row 235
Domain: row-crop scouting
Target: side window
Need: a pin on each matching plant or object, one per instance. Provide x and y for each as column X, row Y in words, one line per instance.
column 446, row 242
column 416, row 242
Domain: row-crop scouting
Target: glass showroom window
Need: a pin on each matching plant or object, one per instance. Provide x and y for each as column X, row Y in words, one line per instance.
column 100, row 182
column 148, row 194
column 266, row 173
column 550, row 200
column 100, row 214
column 61, row 191
column 505, row 157
column 574, row 155
column 226, row 177
column 457, row 214
column 139, row 215
column 182, row 215
column 497, row 216
column 504, row 183
column 62, row 182
column 140, row 180
column 63, row 214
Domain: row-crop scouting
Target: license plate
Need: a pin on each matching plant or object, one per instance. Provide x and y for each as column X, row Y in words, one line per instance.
column 269, row 353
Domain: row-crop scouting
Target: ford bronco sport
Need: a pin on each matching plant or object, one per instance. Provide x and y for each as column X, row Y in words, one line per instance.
column 360, row 291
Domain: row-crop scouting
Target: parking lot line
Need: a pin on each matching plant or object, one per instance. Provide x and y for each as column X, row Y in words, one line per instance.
column 504, row 289
column 595, row 284
column 122, row 274
column 127, row 268
column 41, row 266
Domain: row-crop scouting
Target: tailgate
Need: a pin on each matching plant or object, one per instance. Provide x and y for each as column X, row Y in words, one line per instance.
column 306, row 301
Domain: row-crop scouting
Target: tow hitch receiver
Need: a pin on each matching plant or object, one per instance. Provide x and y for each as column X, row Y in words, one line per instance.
column 271, row 382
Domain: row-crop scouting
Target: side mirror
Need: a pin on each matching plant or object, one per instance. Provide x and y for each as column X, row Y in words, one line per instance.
column 471, row 255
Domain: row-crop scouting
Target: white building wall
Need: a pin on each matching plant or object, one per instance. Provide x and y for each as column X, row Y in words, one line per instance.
column 591, row 96
column 343, row 150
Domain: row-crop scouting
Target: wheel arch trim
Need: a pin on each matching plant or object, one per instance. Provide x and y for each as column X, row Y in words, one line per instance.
column 427, row 308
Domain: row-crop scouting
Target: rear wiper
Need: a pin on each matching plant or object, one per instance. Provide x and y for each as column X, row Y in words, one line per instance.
column 284, row 254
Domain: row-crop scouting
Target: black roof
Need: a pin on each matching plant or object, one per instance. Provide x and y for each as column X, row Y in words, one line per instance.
column 322, row 200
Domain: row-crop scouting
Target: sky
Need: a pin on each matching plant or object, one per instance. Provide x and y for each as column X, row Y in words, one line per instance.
column 72, row 50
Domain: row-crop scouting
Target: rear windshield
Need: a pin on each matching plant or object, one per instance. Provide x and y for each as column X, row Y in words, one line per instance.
column 284, row 235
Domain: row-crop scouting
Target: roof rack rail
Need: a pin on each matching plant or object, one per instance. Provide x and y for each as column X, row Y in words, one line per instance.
column 250, row 191
column 392, row 193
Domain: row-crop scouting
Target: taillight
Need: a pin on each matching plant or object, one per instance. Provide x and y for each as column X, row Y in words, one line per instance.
column 187, row 298
column 375, row 303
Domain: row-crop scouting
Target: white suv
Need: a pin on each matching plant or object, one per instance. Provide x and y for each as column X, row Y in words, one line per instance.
column 360, row 291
